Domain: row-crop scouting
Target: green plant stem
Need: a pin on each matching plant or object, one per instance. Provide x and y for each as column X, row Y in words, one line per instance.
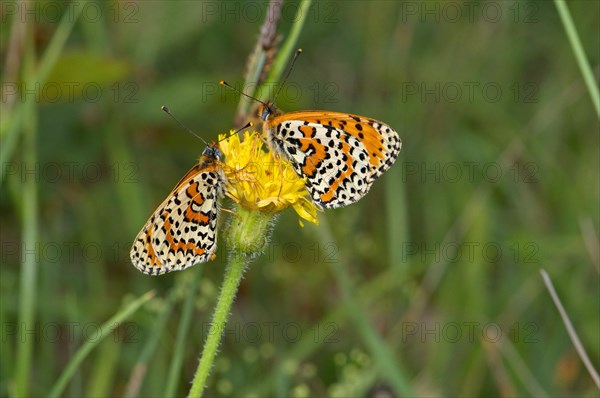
column 233, row 277
column 105, row 331
column 288, row 47
column 246, row 236
column 580, row 57
column 182, row 333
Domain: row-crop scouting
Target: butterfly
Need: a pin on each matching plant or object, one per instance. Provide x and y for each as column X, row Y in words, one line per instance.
column 182, row 231
column 339, row 154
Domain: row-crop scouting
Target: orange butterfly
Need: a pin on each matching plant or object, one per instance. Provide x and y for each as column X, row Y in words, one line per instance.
column 182, row 231
column 339, row 154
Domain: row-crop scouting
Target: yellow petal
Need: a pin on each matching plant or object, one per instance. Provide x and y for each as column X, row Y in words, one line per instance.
column 261, row 181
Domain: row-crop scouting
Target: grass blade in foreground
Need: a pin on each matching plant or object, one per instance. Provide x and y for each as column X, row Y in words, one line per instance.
column 182, row 335
column 584, row 65
column 138, row 373
column 89, row 345
column 388, row 365
column 570, row 329
column 288, row 47
column 47, row 61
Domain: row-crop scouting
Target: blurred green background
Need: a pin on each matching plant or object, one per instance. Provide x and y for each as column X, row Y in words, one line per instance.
column 429, row 286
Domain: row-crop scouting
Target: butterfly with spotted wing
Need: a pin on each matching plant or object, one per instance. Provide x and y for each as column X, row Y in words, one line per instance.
column 182, row 231
column 339, row 154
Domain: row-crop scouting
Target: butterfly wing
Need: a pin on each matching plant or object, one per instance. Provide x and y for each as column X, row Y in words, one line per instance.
column 339, row 154
column 182, row 231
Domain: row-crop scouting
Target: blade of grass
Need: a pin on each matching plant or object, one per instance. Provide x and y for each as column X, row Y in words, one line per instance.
column 288, row 47
column 570, row 329
column 129, row 190
column 102, row 375
column 590, row 240
column 302, row 349
column 474, row 205
column 257, row 60
column 88, row 346
column 30, row 236
column 259, row 57
column 139, row 371
column 395, row 207
column 521, row 370
column 182, row 333
column 580, row 57
column 388, row 365
column 390, row 280
column 73, row 311
column 7, row 358
column 498, row 370
column 36, row 80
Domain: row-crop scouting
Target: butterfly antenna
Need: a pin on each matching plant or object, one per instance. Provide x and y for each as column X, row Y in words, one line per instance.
column 224, row 83
column 168, row 112
column 298, row 52
column 249, row 124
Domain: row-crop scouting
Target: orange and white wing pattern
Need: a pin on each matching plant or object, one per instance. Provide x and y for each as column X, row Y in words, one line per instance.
column 183, row 230
column 339, row 154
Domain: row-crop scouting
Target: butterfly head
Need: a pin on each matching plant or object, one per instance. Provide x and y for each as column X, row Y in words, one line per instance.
column 267, row 110
column 212, row 151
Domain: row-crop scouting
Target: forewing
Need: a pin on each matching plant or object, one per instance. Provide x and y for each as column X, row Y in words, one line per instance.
column 182, row 231
column 382, row 143
column 334, row 163
column 340, row 154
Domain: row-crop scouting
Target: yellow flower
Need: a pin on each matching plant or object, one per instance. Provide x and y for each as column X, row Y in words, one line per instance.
column 260, row 181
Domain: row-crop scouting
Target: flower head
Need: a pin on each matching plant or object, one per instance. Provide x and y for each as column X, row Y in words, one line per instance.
column 258, row 180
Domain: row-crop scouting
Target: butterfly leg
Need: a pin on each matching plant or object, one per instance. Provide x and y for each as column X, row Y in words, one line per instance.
column 232, row 197
column 230, row 212
column 277, row 158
